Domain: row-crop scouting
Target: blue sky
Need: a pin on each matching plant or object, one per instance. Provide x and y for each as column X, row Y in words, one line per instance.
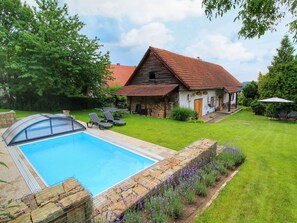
column 127, row 28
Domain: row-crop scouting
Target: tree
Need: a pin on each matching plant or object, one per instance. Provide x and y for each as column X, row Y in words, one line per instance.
column 45, row 54
column 281, row 80
column 257, row 16
column 251, row 90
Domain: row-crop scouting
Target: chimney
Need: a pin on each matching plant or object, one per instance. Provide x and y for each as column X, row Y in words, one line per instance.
column 118, row 64
column 199, row 58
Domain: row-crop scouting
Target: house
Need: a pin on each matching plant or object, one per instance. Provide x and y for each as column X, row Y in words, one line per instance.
column 163, row 80
column 121, row 74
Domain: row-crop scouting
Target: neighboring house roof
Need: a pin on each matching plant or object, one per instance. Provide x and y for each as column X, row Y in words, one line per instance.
column 194, row 73
column 147, row 90
column 121, row 74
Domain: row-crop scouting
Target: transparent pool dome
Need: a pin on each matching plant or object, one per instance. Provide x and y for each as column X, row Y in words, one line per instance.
column 40, row 126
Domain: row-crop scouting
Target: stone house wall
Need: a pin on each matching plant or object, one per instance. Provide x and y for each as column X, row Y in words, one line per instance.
column 68, row 202
column 7, row 119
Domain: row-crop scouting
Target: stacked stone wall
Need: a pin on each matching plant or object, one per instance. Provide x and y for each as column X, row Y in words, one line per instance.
column 7, row 119
column 67, row 202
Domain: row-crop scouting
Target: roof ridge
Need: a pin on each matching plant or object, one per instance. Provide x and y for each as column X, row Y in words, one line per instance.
column 187, row 57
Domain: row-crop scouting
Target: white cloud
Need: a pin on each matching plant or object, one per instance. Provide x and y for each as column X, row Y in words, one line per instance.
column 137, row 11
column 219, row 47
column 152, row 34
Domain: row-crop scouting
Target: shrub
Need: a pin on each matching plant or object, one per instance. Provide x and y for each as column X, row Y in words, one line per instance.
column 219, row 165
column 157, row 209
column 174, row 201
column 257, row 107
column 200, row 187
column 189, row 195
column 231, row 157
column 210, row 179
column 133, row 216
column 242, row 100
column 182, row 114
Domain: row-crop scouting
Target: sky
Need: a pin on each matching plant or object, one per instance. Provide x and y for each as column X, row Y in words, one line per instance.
column 126, row 28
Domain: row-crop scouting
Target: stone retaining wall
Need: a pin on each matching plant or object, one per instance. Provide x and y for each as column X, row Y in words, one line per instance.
column 67, row 202
column 114, row 202
column 7, row 119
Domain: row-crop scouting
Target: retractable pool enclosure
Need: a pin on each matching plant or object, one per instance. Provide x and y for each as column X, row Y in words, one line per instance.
column 40, row 126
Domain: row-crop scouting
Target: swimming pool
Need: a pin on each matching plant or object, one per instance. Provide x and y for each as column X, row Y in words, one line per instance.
column 95, row 163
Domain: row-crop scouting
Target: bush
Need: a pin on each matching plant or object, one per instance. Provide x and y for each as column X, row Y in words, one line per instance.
column 200, row 188
column 158, row 211
column 182, row 114
column 210, row 179
column 219, row 166
column 174, row 201
column 133, row 216
column 257, row 107
column 242, row 100
column 231, row 157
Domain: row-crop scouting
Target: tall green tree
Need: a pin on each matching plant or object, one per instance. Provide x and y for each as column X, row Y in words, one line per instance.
column 46, row 54
column 281, row 79
column 251, row 90
column 257, row 16
column 15, row 17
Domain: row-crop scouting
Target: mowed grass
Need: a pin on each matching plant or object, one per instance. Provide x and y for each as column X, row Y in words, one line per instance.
column 264, row 190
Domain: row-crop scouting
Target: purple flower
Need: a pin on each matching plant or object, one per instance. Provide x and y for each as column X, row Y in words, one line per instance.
column 231, row 150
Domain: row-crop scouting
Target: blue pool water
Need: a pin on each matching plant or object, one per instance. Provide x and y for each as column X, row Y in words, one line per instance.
column 95, row 163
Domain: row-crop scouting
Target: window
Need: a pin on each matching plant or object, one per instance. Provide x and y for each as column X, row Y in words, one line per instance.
column 211, row 102
column 152, row 75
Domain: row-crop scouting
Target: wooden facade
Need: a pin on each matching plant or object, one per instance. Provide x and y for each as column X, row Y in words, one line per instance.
column 153, row 65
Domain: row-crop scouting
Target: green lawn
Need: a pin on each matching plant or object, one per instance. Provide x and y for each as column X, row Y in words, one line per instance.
column 265, row 189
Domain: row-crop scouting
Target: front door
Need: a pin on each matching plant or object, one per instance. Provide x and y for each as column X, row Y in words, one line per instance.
column 198, row 106
column 220, row 103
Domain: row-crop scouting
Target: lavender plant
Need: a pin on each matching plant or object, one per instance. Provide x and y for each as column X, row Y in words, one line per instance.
column 133, row 216
column 231, row 157
column 174, row 201
column 200, row 187
column 210, row 179
column 157, row 208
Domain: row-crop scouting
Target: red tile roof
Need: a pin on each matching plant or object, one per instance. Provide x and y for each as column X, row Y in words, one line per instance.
column 121, row 74
column 231, row 89
column 146, row 90
column 194, row 73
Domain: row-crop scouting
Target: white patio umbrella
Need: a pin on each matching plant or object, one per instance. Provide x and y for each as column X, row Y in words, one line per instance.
column 276, row 99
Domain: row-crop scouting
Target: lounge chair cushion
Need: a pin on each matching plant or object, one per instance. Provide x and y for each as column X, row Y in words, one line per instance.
column 94, row 120
column 109, row 117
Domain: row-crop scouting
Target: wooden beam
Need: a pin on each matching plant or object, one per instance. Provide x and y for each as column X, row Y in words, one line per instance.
column 165, row 105
column 236, row 99
column 145, row 106
column 130, row 104
column 229, row 103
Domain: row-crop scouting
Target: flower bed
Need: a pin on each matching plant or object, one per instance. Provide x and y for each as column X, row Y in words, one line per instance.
column 168, row 203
